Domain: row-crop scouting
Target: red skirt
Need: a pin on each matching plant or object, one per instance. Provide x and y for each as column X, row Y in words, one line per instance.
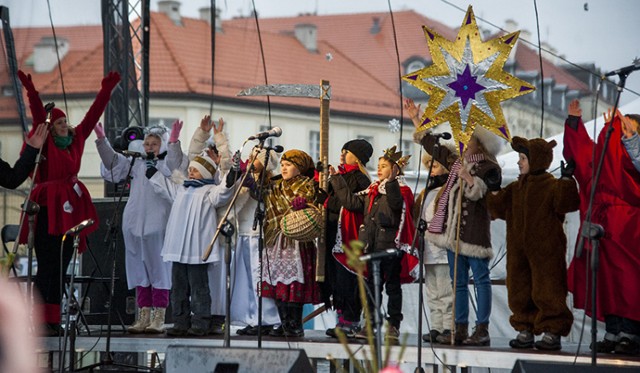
column 309, row 292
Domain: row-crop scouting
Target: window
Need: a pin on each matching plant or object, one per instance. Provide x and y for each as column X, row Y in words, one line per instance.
column 314, row 145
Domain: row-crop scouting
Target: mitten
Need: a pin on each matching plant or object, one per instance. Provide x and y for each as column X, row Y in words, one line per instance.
column 493, row 179
column 567, row 169
column 298, row 203
column 110, row 81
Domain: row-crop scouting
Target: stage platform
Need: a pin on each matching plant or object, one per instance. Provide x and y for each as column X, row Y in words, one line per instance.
column 319, row 347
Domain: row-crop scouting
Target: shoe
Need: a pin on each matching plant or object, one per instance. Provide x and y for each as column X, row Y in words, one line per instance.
column 524, row 339
column 392, row 335
column 253, row 330
column 480, row 336
column 196, row 332
column 277, row 332
column 605, row 346
column 177, row 331
column 216, row 328
column 349, row 331
column 157, row 322
column 432, row 336
column 143, row 321
column 294, row 331
column 362, row 334
column 626, row 346
column 549, row 342
column 461, row 334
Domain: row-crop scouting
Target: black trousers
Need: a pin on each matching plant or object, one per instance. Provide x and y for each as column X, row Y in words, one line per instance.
column 47, row 249
column 390, row 279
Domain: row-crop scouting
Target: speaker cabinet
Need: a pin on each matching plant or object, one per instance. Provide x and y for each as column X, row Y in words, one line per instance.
column 196, row 359
column 524, row 366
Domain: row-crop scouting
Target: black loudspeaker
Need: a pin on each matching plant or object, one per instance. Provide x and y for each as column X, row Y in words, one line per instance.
column 97, row 264
column 524, row 366
column 196, row 359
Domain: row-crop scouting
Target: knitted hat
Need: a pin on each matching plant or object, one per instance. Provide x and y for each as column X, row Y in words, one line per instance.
column 539, row 152
column 273, row 158
column 205, row 165
column 301, row 160
column 57, row 114
column 360, row 148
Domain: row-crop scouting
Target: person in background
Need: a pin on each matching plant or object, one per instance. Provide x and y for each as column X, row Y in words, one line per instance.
column 12, row 177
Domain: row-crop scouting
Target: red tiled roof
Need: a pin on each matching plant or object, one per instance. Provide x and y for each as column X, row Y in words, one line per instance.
column 527, row 60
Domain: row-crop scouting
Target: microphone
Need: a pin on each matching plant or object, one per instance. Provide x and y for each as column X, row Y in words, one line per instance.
column 443, row 135
column 48, row 107
column 277, row 148
column 274, row 132
column 384, row 254
column 625, row 70
column 79, row 227
column 138, row 154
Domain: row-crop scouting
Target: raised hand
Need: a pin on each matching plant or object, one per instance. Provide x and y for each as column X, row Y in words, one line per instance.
column 567, row 169
column 395, row 170
column 413, row 110
column 111, row 80
column 27, row 83
column 99, row 130
column 38, row 137
column 332, row 170
column 608, row 115
column 219, row 128
column 176, row 127
column 629, row 126
column 206, row 124
column 574, row 108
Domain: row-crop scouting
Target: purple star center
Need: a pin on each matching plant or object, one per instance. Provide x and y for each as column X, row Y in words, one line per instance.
column 465, row 86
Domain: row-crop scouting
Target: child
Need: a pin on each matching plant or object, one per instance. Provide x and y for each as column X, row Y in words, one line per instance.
column 290, row 264
column 534, row 207
column 143, row 224
column 387, row 206
column 191, row 226
column 438, row 282
column 342, row 228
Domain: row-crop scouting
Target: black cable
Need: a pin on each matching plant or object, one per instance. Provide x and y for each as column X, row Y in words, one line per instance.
column 264, row 62
column 212, row 21
column 395, row 42
column 535, row 7
column 55, row 40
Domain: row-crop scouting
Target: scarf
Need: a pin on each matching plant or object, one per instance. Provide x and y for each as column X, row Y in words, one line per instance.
column 437, row 223
column 62, row 142
column 197, row 183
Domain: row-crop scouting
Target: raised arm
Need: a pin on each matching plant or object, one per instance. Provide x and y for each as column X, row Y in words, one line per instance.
column 84, row 128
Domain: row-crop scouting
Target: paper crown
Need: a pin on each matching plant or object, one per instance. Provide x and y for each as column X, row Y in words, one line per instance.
column 396, row 157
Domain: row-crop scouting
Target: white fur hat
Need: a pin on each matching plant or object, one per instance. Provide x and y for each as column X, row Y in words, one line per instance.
column 273, row 158
column 492, row 143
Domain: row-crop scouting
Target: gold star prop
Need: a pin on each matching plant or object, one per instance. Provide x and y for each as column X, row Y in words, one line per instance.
column 466, row 82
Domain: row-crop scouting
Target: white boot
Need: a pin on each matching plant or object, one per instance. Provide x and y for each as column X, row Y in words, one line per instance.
column 144, row 320
column 157, row 324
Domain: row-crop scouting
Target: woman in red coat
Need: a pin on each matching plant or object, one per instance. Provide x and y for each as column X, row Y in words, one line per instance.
column 64, row 201
column 616, row 207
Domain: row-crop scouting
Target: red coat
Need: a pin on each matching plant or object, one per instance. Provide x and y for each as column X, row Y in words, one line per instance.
column 56, row 183
column 617, row 208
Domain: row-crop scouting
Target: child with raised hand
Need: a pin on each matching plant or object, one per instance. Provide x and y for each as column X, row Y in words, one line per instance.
column 342, row 228
column 534, row 207
column 190, row 228
column 387, row 205
column 437, row 280
column 144, row 222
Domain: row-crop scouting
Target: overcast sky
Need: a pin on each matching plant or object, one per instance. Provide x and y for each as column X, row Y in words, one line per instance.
column 606, row 32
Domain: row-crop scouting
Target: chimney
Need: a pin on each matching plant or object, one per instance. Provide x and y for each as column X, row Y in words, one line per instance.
column 205, row 15
column 375, row 28
column 307, row 35
column 172, row 9
column 44, row 54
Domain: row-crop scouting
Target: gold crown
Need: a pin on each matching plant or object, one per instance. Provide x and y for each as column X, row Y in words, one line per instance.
column 396, row 157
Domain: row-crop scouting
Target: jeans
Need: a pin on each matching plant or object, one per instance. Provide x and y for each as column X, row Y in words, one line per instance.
column 480, row 269
column 190, row 293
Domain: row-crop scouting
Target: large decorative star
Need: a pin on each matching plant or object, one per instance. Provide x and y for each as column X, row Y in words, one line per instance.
column 466, row 82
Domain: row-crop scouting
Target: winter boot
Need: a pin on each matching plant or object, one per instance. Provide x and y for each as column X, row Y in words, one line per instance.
column 461, row 334
column 157, row 324
column 480, row 336
column 294, row 326
column 283, row 312
column 144, row 320
column 524, row 339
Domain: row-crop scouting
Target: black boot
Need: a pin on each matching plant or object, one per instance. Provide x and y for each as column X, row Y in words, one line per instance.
column 283, row 312
column 294, row 325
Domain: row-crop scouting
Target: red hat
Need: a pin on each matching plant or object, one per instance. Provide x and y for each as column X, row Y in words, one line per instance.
column 57, row 114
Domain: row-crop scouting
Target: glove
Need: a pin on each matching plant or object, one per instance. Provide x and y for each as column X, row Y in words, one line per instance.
column 99, row 130
column 175, row 131
column 298, row 203
column 110, row 81
column 235, row 173
column 567, row 169
column 27, row 83
column 493, row 179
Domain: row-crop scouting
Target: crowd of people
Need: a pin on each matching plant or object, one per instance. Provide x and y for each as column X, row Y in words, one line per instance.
column 177, row 200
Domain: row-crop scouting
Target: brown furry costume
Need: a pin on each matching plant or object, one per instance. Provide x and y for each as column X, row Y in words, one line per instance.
column 534, row 207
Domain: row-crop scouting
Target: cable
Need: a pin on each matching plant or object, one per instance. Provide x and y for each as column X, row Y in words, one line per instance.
column 264, row 61
column 395, row 42
column 212, row 22
column 55, row 40
column 535, row 7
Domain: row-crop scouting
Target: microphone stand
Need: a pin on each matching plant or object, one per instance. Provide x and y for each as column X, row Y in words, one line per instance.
column 111, row 239
column 593, row 232
column 72, row 312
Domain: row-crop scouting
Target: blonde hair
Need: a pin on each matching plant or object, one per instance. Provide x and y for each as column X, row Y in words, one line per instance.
column 363, row 169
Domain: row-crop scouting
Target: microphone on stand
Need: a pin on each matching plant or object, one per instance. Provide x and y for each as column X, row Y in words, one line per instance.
column 277, row 148
column 378, row 255
column 133, row 154
column 274, row 132
column 79, row 227
column 48, row 107
column 625, row 70
column 443, row 135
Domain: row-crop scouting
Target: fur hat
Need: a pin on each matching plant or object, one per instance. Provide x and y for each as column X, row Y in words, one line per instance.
column 361, row 148
column 492, row 143
column 205, row 165
column 57, row 114
column 539, row 152
column 273, row 158
column 301, row 160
